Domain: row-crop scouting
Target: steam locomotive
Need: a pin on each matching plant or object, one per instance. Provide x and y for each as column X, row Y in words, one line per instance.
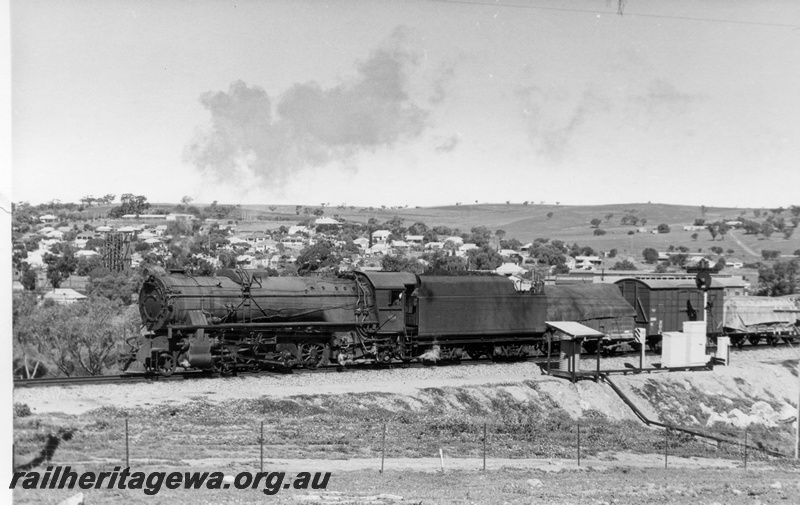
column 247, row 320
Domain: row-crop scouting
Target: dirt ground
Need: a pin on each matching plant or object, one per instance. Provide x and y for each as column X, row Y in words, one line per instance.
column 331, row 423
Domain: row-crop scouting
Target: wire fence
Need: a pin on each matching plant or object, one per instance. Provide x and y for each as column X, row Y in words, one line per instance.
column 137, row 442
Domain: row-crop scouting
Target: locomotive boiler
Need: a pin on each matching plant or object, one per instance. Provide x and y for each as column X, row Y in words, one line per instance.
column 245, row 319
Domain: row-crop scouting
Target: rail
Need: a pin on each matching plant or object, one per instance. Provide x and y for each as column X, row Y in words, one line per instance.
column 650, row 422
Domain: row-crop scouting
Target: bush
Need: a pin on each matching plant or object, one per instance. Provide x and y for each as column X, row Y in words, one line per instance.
column 623, row 265
column 22, row 410
column 599, row 232
column 650, row 255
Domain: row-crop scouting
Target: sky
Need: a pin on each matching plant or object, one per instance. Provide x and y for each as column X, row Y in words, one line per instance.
column 407, row 102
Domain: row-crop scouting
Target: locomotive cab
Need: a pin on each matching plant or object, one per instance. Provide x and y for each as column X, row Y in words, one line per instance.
column 393, row 300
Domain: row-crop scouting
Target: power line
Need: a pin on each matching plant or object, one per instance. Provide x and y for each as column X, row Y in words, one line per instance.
column 633, row 14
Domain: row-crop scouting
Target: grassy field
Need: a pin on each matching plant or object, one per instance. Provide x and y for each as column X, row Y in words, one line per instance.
column 531, row 451
column 568, row 223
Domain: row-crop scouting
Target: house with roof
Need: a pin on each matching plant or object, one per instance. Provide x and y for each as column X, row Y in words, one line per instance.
column 64, row 295
column 293, row 242
column 463, row 248
column 380, row 236
column 587, row 262
column 48, row 218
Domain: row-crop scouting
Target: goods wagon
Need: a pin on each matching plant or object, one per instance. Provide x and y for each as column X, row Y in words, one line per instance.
column 665, row 304
column 758, row 317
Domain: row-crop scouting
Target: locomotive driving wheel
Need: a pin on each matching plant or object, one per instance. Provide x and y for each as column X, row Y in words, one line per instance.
column 312, row 355
column 165, row 366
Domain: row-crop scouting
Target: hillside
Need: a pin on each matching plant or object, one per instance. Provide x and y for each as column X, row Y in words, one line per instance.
column 568, row 223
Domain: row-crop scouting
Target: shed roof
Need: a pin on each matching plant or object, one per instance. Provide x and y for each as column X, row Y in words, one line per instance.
column 670, row 283
column 580, row 302
column 573, row 329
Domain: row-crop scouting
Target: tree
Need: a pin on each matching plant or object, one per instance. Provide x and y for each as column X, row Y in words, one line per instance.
column 787, row 233
column 401, row 263
column 712, row 229
column 80, row 338
column 770, row 255
column 716, row 249
column 694, row 236
column 28, row 279
column 88, row 263
column 500, row 234
column 779, row 279
column 441, row 263
column 678, row 259
column 623, row 265
column 650, row 255
column 24, row 305
column 599, row 232
column 608, row 217
column 612, row 253
column 484, row 258
column 320, row 255
column 418, row 228
column 595, row 222
column 60, row 266
column 722, row 229
column 699, row 222
column 130, row 204
column 767, row 229
column 114, row 286
column 663, row 228
column 549, row 215
column 751, row 227
column 480, row 236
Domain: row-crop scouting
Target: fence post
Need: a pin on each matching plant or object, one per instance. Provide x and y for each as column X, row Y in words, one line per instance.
column 745, row 449
column 484, row 446
column 579, row 443
column 383, row 447
column 127, row 447
column 261, row 443
column 666, row 447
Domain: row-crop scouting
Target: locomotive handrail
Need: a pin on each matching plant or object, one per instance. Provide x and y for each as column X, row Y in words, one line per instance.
column 650, row 422
column 322, row 324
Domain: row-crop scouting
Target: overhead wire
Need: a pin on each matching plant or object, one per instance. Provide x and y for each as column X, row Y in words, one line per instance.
column 626, row 13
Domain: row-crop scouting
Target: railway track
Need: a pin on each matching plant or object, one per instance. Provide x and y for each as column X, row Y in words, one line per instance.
column 331, row 368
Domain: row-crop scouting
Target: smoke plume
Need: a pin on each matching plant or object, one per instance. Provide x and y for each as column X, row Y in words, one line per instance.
column 309, row 126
